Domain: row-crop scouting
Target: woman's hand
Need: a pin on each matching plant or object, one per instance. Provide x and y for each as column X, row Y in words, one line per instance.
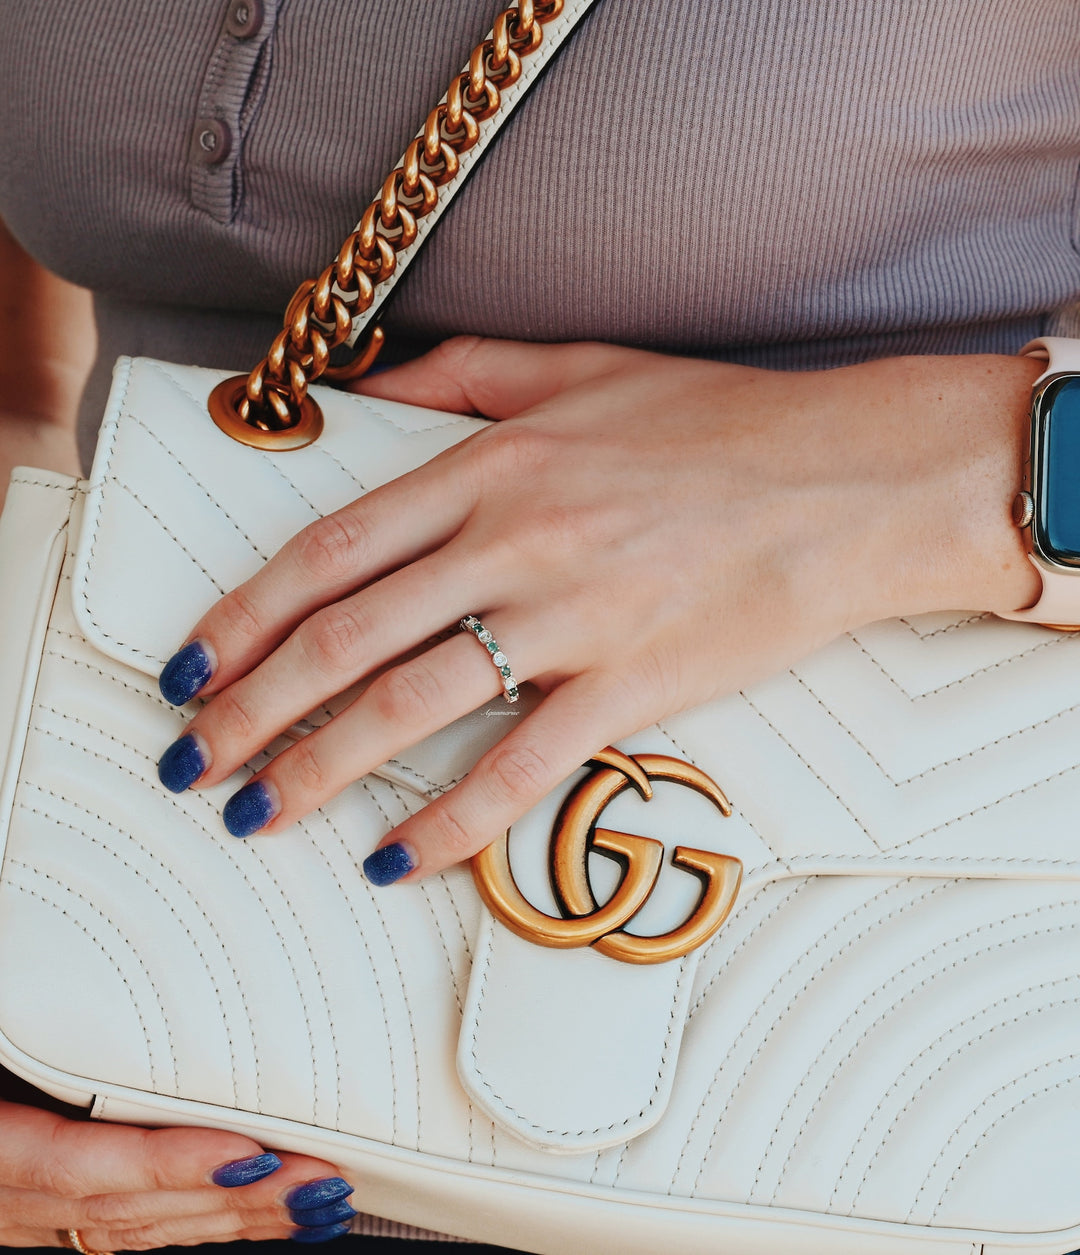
column 134, row 1189
column 646, row 533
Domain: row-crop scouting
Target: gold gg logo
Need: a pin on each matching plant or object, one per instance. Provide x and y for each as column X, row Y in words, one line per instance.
column 584, row 922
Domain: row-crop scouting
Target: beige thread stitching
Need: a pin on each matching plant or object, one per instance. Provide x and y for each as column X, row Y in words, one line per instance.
column 178, row 884
column 830, row 960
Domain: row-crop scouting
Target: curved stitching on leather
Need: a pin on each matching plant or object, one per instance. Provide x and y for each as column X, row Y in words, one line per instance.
column 891, row 1010
column 401, row 978
column 571, row 1134
column 877, row 923
column 1042, row 1067
column 929, row 1077
column 110, row 957
column 454, row 979
column 175, row 803
column 730, row 957
column 1038, row 1093
column 176, row 883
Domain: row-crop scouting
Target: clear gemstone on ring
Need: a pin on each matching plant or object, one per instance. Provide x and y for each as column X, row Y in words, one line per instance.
column 499, row 659
column 485, row 636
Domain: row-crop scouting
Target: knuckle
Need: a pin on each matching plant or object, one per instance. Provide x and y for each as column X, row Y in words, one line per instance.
column 56, row 1170
column 238, row 614
column 233, row 716
column 452, row 356
column 519, row 773
column 512, row 450
column 408, row 696
column 333, row 548
column 331, row 640
column 452, row 835
column 112, row 1210
column 306, row 769
column 143, row 1237
column 52, row 1176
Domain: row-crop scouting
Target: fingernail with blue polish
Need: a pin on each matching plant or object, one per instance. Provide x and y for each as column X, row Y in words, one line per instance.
column 250, row 809
column 182, row 764
column 389, row 863
column 317, row 1217
column 245, row 1171
column 325, row 1234
column 319, row 1193
column 185, row 673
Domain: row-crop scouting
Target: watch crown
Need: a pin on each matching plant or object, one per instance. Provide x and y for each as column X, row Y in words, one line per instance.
column 1023, row 509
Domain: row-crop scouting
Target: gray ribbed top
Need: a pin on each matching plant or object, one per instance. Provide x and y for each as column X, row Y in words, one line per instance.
column 785, row 182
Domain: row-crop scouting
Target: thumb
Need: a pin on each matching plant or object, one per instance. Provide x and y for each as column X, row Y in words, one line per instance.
column 48, row 1154
column 493, row 378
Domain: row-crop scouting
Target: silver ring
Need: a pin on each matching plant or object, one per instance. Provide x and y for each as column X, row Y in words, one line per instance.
column 510, row 686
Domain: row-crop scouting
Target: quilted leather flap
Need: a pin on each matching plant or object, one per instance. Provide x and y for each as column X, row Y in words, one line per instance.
column 914, row 746
column 152, row 560
column 939, row 746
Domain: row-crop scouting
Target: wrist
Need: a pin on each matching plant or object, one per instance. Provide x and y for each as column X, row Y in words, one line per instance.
column 969, row 420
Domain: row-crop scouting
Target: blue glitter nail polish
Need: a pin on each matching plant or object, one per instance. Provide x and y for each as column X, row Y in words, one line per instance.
column 181, row 764
column 249, row 809
column 245, row 1171
column 317, row 1217
column 319, row 1193
column 388, row 863
column 185, row 673
column 325, row 1234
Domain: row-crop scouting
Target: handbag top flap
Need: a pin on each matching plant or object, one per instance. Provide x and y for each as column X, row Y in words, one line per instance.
column 913, row 746
column 936, row 746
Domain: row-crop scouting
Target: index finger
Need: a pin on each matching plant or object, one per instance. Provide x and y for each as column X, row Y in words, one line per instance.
column 335, row 555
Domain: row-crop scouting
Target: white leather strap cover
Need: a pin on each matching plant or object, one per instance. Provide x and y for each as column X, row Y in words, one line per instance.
column 1059, row 602
column 555, row 34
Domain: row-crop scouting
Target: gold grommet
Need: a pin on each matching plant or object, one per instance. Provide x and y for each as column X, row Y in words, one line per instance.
column 224, row 403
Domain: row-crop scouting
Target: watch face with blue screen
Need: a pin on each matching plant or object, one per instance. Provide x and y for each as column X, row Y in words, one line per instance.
column 1056, row 471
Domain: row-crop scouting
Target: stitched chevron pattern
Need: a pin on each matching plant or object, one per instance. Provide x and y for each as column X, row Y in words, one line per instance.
column 886, row 1028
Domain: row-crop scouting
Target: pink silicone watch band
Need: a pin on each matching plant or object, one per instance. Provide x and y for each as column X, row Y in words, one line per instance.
column 1059, row 603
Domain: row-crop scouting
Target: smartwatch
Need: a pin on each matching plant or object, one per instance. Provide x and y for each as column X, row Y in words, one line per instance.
column 1047, row 506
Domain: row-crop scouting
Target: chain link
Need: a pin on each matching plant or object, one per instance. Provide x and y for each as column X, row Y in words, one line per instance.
column 320, row 314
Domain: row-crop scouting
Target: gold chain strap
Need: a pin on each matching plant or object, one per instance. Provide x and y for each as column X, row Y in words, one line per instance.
column 271, row 407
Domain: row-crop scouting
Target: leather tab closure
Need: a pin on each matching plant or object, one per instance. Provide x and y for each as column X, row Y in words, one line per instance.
column 572, row 1044
column 523, row 1055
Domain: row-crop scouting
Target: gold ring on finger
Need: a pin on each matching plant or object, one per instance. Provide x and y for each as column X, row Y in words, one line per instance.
column 72, row 1239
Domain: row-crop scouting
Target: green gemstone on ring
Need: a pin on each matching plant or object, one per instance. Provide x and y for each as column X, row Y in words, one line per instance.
column 506, row 671
column 492, row 647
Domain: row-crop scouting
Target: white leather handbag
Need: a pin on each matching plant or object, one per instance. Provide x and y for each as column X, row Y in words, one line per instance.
column 875, row 1053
